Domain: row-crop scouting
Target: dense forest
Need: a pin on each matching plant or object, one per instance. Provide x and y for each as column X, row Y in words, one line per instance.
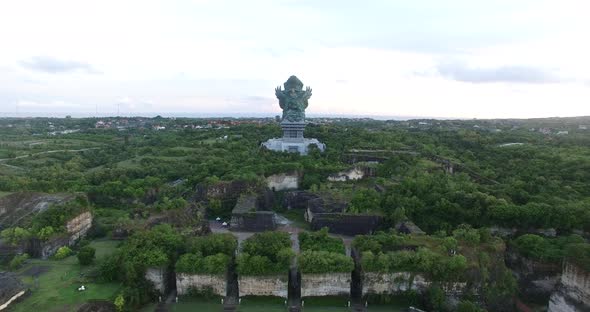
column 460, row 181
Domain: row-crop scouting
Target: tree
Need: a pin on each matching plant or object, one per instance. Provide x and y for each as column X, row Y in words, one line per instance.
column 120, row 303
column 45, row 233
column 86, row 255
column 15, row 235
column 62, row 253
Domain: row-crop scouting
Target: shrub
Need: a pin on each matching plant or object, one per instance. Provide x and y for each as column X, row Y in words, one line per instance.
column 379, row 242
column 86, row 255
column 267, row 244
column 579, row 254
column 324, row 262
column 320, row 241
column 469, row 235
column 18, row 261
column 62, row 253
column 45, row 233
column 195, row 263
column 262, row 265
column 213, row 244
column 15, row 235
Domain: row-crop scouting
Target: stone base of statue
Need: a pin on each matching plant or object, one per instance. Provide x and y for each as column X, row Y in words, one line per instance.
column 293, row 140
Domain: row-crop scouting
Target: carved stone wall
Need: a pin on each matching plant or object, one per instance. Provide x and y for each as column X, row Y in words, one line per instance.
column 263, row 285
column 158, row 277
column 185, row 281
column 79, row 226
column 283, row 181
column 573, row 293
column 328, row 284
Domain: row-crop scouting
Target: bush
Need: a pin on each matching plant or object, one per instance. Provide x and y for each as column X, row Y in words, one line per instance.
column 324, row 262
column 544, row 249
column 469, row 235
column 15, row 235
column 379, row 242
column 262, row 265
column 195, row 263
column 213, row 244
column 18, row 261
column 62, row 253
column 267, row 244
column 579, row 254
column 320, row 241
column 86, row 255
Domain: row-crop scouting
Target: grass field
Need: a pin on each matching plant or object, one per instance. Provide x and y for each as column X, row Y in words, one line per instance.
column 58, row 285
column 268, row 304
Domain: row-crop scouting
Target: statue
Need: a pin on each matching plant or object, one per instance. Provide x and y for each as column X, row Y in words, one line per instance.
column 293, row 100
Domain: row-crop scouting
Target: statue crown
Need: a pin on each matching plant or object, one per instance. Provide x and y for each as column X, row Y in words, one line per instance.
column 293, row 83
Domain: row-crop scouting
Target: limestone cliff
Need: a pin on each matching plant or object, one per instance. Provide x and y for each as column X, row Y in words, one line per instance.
column 573, row 292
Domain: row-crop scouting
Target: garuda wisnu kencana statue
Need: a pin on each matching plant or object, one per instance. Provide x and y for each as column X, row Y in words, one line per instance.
column 293, row 100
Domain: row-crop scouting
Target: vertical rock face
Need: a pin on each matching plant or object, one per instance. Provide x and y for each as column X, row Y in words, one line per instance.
column 573, row 293
column 283, row 181
column 329, row 284
column 263, row 286
column 355, row 173
column 200, row 282
column 536, row 280
column 158, row 277
column 79, row 226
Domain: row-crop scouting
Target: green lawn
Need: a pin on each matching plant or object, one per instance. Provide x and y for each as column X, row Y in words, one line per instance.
column 58, row 287
column 2, row 194
column 263, row 304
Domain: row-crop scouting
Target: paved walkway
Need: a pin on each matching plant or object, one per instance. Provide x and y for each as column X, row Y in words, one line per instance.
column 293, row 230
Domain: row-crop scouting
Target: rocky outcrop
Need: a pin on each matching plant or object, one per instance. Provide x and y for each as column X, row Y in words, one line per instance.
column 573, row 292
column 297, row 199
column 18, row 208
column 11, row 289
column 536, row 279
column 263, row 286
column 248, row 215
column 200, row 282
column 158, row 278
column 352, row 174
column 79, row 226
column 328, row 284
column 283, row 181
column 399, row 282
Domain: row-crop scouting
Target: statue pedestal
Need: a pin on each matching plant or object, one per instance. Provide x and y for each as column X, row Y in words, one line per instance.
column 293, row 140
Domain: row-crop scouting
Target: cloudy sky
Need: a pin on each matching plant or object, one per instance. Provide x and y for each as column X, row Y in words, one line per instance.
column 452, row 58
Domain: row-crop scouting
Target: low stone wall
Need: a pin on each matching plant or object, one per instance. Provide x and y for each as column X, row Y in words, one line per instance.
column 392, row 283
column 395, row 283
column 328, row 284
column 283, row 181
column 263, row 286
column 573, row 293
column 200, row 282
column 158, row 277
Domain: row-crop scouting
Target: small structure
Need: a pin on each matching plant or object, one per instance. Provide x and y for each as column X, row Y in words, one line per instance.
column 408, row 227
column 293, row 100
column 247, row 216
